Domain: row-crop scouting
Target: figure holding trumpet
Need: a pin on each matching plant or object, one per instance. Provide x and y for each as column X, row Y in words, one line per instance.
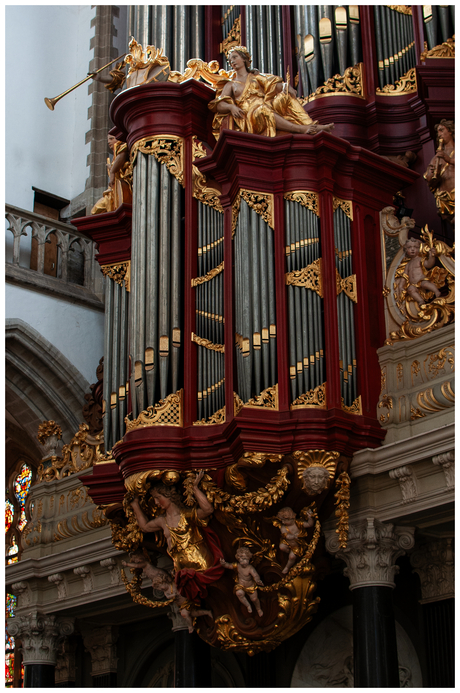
column 120, row 178
column 440, row 173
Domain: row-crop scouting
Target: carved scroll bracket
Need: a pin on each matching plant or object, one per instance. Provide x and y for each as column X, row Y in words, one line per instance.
column 167, row 149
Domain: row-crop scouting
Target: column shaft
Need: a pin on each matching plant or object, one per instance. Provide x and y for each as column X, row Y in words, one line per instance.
column 374, row 638
column 192, row 661
column 439, row 618
column 38, row 676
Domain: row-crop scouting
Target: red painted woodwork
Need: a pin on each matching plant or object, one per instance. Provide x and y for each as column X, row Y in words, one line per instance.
column 111, row 232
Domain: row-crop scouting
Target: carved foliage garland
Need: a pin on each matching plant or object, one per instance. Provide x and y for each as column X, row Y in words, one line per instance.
column 309, row 200
column 167, row 149
column 342, row 496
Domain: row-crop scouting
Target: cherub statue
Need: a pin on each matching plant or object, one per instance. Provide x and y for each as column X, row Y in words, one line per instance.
column 292, row 533
column 440, row 173
column 258, row 103
column 411, row 276
column 315, row 479
column 164, row 582
column 120, row 172
column 246, row 579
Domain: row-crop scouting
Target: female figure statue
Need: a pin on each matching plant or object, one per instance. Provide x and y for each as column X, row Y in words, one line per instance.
column 260, row 104
column 120, row 178
column 193, row 547
column 440, row 173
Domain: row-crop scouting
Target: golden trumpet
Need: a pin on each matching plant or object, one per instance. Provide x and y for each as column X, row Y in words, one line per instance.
column 52, row 102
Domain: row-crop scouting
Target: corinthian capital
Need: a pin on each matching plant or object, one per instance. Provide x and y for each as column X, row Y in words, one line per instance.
column 434, row 563
column 101, row 643
column 372, row 550
column 41, row 635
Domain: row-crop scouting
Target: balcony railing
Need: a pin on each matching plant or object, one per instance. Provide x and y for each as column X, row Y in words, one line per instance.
column 50, row 254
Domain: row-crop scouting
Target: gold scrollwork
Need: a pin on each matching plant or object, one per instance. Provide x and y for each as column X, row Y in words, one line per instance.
column 217, row 418
column 342, row 496
column 120, row 273
column 168, row 412
column 309, row 277
column 81, row 453
column 220, row 348
column 197, row 69
column 416, row 414
column 235, row 212
column 427, row 401
column 47, row 429
column 444, row 50
column 313, row 399
column 387, row 403
column 238, row 404
column 233, row 37
column 355, row 408
column 201, row 191
column 345, row 205
column 167, row 149
column 406, row 85
column 306, row 198
column 253, row 501
column 268, row 398
column 434, row 363
column 402, row 9
column 210, row 275
column 351, row 83
column 261, row 203
column 347, row 285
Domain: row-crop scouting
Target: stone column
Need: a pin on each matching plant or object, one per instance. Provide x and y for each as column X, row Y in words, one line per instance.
column 192, row 656
column 101, row 643
column 434, row 562
column 40, row 634
column 372, row 550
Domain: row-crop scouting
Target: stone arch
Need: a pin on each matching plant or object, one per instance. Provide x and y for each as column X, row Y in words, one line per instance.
column 41, row 384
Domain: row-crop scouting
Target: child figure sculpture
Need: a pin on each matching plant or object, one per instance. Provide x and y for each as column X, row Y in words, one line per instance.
column 246, row 579
column 412, row 277
column 164, row 582
column 291, row 531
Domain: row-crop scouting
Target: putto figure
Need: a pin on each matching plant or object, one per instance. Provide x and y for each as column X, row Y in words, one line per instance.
column 292, row 533
column 315, row 479
column 193, row 547
column 413, row 275
column 257, row 103
column 120, row 173
column 440, row 173
column 246, row 580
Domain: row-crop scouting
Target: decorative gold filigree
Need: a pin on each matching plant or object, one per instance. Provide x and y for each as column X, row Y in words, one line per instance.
column 238, row 404
column 217, row 418
column 234, row 476
column 201, row 191
column 220, row 348
column 262, row 203
column 309, row 277
column 316, row 458
column 134, row 589
column 81, row 453
column 406, row 85
column 167, row 149
column 168, row 412
column 387, row 403
column 120, row 273
column 47, row 429
column 138, row 60
column 209, row 275
column 342, row 496
column 198, row 69
column 251, row 502
column 434, row 363
column 235, row 212
column 347, row 285
column 345, row 205
column 268, row 398
column 444, row 50
column 402, row 9
column 307, row 199
column 416, row 414
column 313, row 399
column 351, row 83
column 355, row 408
column 233, row 37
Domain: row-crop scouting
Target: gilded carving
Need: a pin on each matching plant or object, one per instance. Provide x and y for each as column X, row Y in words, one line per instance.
column 167, row 149
column 444, row 50
column 315, row 398
column 168, row 412
column 48, row 429
column 235, row 212
column 383, row 379
column 79, row 454
column 262, row 203
column 307, row 199
column 342, row 501
column 406, row 85
column 347, row 285
column 316, row 460
column 220, row 348
column 120, row 273
column 201, row 191
column 403, row 9
column 351, row 83
column 268, row 398
column 387, row 403
column 238, row 404
column 309, row 277
column 209, row 275
column 233, row 37
column 436, row 363
column 416, row 414
column 217, row 418
column 345, row 205
column 355, row 408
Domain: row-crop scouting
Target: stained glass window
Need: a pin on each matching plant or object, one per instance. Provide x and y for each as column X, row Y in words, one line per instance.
column 13, row 552
column 11, row 602
column 21, row 491
column 9, row 514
